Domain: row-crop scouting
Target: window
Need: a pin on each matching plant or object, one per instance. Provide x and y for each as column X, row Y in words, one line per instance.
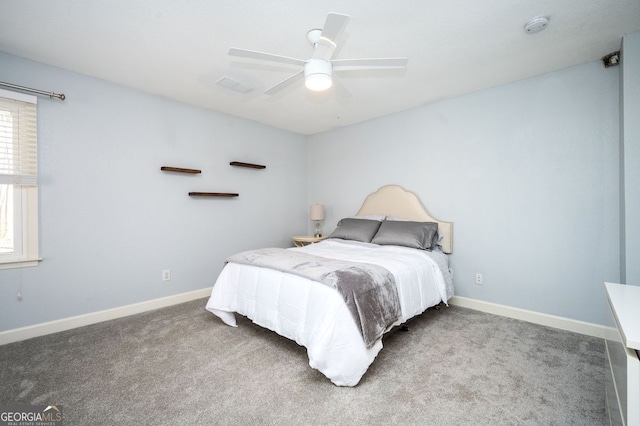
column 18, row 181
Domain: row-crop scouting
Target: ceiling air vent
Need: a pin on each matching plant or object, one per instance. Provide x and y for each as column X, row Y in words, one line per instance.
column 232, row 84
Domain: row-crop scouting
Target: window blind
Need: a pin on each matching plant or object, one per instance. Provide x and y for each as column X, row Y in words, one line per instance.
column 18, row 139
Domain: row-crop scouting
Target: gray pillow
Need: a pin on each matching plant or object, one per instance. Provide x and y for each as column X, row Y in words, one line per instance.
column 420, row 235
column 356, row 229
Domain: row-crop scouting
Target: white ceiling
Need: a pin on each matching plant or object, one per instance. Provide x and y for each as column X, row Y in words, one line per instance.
column 178, row 48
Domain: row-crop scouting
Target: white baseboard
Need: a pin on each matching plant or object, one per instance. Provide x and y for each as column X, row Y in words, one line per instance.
column 561, row 323
column 64, row 324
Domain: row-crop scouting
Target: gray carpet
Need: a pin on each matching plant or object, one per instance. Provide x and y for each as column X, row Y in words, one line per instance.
column 182, row 366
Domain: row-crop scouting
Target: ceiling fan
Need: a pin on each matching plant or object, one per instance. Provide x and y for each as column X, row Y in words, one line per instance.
column 318, row 70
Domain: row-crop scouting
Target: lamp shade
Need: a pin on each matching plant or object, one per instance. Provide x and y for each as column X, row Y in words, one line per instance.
column 316, row 212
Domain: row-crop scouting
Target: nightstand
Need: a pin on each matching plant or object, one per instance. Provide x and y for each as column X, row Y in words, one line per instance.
column 302, row 241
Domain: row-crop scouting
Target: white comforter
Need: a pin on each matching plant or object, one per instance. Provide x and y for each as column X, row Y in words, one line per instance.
column 315, row 316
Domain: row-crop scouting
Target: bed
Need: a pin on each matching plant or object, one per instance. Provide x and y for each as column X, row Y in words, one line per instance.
column 304, row 308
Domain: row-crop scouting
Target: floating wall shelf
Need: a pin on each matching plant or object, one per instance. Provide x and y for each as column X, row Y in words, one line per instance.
column 212, row 194
column 252, row 166
column 180, row 170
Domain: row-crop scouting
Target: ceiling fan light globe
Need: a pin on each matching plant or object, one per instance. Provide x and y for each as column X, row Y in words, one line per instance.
column 317, row 75
column 318, row 82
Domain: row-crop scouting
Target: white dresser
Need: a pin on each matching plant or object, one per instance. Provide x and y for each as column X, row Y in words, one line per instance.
column 623, row 355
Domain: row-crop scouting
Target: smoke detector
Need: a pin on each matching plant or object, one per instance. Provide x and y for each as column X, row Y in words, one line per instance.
column 537, row 24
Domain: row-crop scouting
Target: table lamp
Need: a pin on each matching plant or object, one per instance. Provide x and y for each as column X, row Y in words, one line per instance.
column 316, row 213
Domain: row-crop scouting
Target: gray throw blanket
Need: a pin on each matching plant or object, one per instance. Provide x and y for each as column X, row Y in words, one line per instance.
column 368, row 290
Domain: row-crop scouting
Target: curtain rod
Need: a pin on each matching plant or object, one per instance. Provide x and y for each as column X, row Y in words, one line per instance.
column 28, row 89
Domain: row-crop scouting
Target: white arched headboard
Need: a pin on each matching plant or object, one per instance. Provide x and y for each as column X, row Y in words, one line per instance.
column 393, row 200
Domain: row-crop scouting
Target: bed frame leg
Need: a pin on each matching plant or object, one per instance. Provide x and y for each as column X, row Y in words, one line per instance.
column 406, row 328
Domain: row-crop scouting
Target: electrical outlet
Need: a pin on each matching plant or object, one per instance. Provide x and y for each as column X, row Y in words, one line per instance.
column 479, row 278
column 166, row 275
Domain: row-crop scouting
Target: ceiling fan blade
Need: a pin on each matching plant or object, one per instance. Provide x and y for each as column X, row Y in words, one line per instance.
column 334, row 26
column 341, row 89
column 369, row 63
column 285, row 83
column 326, row 43
column 252, row 54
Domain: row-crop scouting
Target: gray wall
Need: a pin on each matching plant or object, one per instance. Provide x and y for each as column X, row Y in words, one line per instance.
column 528, row 172
column 111, row 221
column 630, row 142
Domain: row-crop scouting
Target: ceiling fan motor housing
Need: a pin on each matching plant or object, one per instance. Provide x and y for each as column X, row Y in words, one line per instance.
column 317, row 74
